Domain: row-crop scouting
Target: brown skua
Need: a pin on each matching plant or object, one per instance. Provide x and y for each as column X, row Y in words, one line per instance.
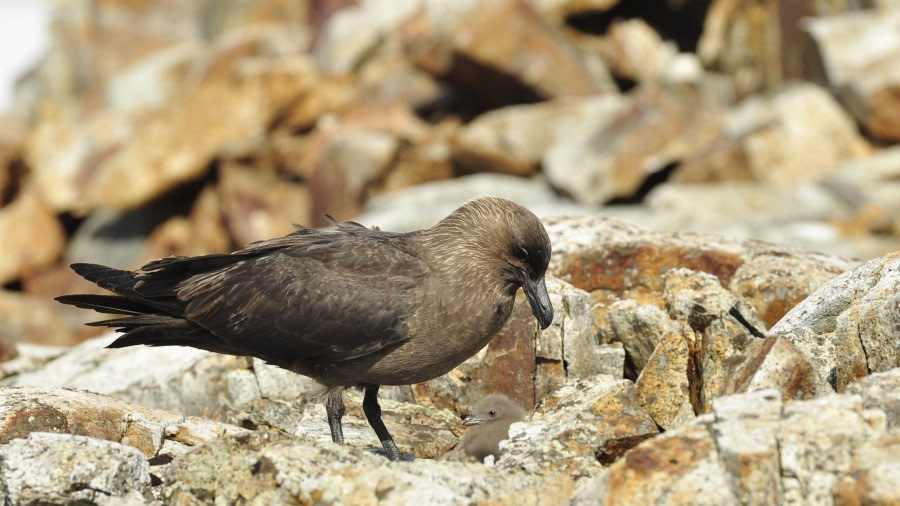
column 349, row 307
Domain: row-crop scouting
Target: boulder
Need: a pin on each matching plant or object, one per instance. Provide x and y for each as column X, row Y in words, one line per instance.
column 263, row 467
column 516, row 139
column 848, row 327
column 754, row 447
column 614, row 260
column 65, row 469
column 582, row 425
column 502, row 52
column 33, row 410
column 83, row 159
column 778, row 138
column 614, row 153
column 864, row 75
column 32, row 236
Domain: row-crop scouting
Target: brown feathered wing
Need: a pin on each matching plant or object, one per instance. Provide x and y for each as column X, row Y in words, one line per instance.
column 312, row 295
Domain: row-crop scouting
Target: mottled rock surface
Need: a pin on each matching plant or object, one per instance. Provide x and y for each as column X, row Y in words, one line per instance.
column 755, row 449
column 29, row 410
column 866, row 76
column 615, row 260
column 151, row 129
column 65, row 469
column 849, row 326
column 581, row 426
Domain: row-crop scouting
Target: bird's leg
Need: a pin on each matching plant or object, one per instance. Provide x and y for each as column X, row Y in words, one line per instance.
column 334, row 407
column 373, row 415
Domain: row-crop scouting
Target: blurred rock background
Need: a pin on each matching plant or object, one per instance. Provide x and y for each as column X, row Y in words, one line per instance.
column 707, row 170
column 185, row 127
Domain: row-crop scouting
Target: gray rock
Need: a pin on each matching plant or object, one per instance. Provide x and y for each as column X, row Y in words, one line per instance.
column 63, row 468
column 754, row 448
column 25, row 410
column 516, row 139
column 777, row 139
column 583, row 424
column 880, row 391
column 277, row 383
column 849, row 326
column 639, row 328
column 627, row 139
column 354, row 33
column 266, row 469
column 748, row 445
column 433, row 201
column 865, row 75
column 610, row 360
column 181, row 379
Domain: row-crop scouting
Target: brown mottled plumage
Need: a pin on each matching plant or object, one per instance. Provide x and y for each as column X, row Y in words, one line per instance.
column 347, row 307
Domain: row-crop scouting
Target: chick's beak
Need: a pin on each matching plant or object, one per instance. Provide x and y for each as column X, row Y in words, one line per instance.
column 471, row 420
column 539, row 300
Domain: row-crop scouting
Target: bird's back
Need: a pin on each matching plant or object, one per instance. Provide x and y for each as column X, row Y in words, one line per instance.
column 312, row 296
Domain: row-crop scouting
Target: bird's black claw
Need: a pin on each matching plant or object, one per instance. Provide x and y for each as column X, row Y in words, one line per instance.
column 395, row 455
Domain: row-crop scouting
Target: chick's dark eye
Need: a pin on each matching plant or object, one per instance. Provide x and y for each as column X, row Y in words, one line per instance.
column 492, row 412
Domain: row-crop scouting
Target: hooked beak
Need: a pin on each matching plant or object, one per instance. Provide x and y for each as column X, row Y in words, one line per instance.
column 471, row 420
column 539, row 301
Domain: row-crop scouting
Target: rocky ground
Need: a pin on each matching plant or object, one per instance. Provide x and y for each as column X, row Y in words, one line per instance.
column 720, row 181
column 646, row 388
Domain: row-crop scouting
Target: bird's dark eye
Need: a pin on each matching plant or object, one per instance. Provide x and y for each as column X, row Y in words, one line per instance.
column 521, row 253
column 492, row 413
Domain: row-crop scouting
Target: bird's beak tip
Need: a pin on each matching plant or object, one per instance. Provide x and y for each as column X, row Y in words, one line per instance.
column 539, row 300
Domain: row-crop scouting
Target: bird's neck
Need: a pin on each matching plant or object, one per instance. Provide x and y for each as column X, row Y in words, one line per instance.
column 464, row 253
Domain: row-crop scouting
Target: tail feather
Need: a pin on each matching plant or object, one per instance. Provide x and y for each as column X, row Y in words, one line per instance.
column 114, row 304
column 123, row 284
column 152, row 313
column 132, row 322
column 114, row 280
column 173, row 333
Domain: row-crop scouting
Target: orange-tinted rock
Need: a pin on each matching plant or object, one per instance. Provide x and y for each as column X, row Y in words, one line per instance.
column 663, row 387
column 257, row 204
column 680, row 466
column 778, row 139
column 866, row 76
column 614, row 260
column 614, row 153
column 578, row 427
column 122, row 158
column 202, row 232
column 32, row 236
column 502, row 51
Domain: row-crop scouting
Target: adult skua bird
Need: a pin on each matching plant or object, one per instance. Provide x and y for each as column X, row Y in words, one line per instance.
column 349, row 307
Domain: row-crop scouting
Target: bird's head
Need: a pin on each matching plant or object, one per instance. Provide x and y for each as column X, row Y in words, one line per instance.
column 526, row 256
column 494, row 408
column 499, row 236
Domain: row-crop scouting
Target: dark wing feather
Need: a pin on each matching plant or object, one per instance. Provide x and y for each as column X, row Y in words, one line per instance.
column 338, row 298
column 113, row 304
